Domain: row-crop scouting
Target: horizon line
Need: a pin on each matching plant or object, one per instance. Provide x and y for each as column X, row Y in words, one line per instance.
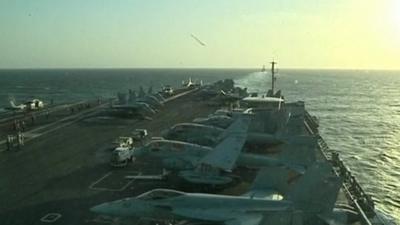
column 199, row 68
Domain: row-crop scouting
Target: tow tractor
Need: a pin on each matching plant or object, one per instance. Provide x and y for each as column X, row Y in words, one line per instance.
column 123, row 152
column 121, row 156
column 122, row 142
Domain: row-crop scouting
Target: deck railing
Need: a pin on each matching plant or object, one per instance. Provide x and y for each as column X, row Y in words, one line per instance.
column 359, row 199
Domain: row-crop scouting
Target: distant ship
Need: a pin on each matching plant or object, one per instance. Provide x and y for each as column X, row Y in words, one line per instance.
column 263, row 68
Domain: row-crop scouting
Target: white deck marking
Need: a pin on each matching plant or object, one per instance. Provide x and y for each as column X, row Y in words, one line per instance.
column 179, row 95
column 50, row 217
column 92, row 186
column 99, row 180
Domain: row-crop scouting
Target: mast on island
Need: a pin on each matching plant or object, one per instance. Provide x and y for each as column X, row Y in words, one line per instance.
column 273, row 63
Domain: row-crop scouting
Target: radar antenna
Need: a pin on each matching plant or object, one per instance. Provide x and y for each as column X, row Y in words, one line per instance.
column 273, row 63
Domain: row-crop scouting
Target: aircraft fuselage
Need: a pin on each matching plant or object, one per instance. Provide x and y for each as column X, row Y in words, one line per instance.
column 177, row 155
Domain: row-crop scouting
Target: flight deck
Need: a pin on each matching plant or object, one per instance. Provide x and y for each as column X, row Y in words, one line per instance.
column 57, row 176
column 63, row 169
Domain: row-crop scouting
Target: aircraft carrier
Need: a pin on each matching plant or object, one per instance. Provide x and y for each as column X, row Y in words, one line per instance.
column 63, row 167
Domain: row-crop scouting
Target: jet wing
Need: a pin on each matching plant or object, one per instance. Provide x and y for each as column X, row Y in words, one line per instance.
column 225, row 154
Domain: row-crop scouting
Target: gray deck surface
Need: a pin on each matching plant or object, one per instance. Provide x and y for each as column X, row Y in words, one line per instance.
column 67, row 171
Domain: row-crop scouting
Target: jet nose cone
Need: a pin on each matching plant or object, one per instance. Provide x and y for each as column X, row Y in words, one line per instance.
column 100, row 209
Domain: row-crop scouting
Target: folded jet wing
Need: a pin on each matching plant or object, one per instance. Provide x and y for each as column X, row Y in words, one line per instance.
column 225, row 154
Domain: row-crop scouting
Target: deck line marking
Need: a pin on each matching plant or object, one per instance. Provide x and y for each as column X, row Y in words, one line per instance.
column 179, row 95
column 102, row 178
column 92, row 186
column 50, row 217
column 114, row 189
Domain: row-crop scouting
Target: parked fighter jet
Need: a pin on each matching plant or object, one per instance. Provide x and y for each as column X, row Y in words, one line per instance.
column 34, row 104
column 201, row 164
column 226, row 97
column 142, row 105
column 138, row 109
column 188, row 84
column 167, row 90
column 268, row 127
column 187, row 158
column 304, row 203
column 218, row 121
column 208, row 135
column 207, row 92
column 154, row 100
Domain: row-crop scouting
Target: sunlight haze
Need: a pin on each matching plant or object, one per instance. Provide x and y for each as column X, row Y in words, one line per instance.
column 345, row 34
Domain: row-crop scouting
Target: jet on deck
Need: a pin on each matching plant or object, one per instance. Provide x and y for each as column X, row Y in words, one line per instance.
column 305, row 202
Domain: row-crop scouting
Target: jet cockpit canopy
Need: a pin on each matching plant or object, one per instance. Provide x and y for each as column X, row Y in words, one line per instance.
column 159, row 194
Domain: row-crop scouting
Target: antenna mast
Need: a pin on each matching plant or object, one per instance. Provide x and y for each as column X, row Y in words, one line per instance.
column 273, row 63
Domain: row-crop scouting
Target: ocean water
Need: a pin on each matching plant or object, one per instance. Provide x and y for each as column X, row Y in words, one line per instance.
column 359, row 111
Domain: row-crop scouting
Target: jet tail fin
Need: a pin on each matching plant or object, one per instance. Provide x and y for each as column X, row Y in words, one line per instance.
column 272, row 180
column 245, row 117
column 316, row 190
column 225, row 154
column 150, row 90
column 300, row 150
column 12, row 103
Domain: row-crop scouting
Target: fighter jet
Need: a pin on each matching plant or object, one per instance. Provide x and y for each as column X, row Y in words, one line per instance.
column 225, row 97
column 182, row 156
column 222, row 118
column 268, row 127
column 188, row 84
column 135, row 110
column 220, row 121
column 138, row 106
column 207, row 92
column 156, row 101
column 208, row 135
column 304, row 203
column 213, row 165
column 167, row 90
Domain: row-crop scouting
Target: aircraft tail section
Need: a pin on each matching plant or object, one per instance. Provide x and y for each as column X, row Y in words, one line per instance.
column 245, row 118
column 316, row 190
column 150, row 90
column 272, row 179
column 300, row 151
column 225, row 154
column 12, row 103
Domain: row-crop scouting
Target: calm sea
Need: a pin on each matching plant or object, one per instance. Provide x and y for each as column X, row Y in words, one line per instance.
column 359, row 111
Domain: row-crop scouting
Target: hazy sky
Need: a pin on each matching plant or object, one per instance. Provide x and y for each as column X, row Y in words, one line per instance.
column 361, row 34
